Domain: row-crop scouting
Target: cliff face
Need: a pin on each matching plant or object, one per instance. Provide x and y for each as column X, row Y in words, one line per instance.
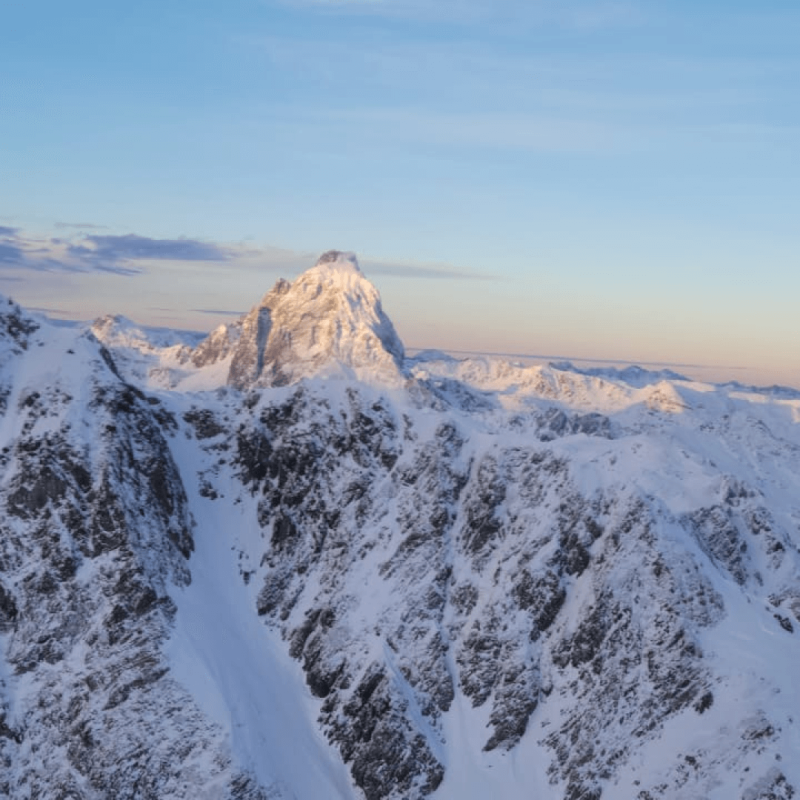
column 326, row 571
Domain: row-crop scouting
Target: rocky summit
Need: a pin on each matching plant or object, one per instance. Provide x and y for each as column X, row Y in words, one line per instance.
column 288, row 562
column 329, row 321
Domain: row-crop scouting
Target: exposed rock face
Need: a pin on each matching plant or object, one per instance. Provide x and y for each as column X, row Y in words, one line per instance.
column 218, row 345
column 565, row 584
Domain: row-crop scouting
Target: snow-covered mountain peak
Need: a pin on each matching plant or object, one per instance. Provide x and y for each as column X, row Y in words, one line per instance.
column 329, row 321
column 335, row 273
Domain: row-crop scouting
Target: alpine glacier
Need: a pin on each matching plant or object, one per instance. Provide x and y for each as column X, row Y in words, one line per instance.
column 287, row 561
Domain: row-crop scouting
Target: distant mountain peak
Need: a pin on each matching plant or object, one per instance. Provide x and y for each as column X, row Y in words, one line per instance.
column 329, row 321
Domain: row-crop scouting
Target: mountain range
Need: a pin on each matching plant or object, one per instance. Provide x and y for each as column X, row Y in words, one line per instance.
column 287, row 561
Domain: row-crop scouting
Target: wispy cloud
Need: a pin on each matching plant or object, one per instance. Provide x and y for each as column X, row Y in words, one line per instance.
column 104, row 251
column 528, row 13
column 218, row 311
column 58, row 312
column 495, row 93
column 396, row 269
column 121, row 255
column 10, row 253
column 401, row 127
column 80, row 226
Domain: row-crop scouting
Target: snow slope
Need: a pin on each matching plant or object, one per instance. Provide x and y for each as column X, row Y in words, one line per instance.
column 234, row 665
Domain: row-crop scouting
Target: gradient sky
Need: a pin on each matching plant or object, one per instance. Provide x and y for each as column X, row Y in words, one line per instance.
column 614, row 180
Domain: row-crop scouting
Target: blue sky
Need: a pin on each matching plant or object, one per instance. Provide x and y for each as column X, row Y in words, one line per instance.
column 580, row 178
